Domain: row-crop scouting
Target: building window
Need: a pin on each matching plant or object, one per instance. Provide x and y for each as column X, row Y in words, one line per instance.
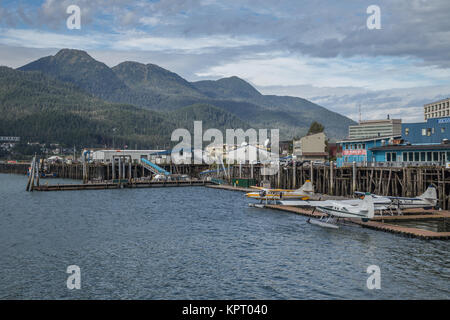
column 429, row 159
column 416, row 156
column 363, row 145
column 435, row 156
column 405, row 156
column 391, row 156
column 424, row 132
column 443, row 129
column 410, row 156
column 407, row 129
column 422, row 156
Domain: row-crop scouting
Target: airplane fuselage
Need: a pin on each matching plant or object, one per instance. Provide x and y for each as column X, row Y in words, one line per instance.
column 276, row 195
column 342, row 212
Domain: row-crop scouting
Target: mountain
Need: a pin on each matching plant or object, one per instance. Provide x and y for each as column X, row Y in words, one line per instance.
column 152, row 87
column 79, row 68
column 291, row 114
column 227, row 88
column 40, row 108
column 152, row 78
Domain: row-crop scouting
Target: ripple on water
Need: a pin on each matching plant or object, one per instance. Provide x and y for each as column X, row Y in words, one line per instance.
column 197, row 243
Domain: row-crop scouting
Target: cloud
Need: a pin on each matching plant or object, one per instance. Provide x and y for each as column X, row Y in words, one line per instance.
column 404, row 103
column 284, row 69
column 412, row 29
column 320, row 50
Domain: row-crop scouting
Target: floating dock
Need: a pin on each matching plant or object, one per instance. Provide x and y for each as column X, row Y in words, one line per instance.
column 378, row 223
column 111, row 185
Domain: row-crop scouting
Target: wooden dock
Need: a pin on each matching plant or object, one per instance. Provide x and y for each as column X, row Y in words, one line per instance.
column 378, row 224
column 111, row 185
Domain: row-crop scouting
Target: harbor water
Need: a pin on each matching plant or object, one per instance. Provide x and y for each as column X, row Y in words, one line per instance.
column 198, row 243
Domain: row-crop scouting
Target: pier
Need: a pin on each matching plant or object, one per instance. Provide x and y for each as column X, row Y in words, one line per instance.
column 115, row 185
column 393, row 181
column 381, row 223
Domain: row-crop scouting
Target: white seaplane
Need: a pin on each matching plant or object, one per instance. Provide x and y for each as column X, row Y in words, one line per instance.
column 273, row 195
column 335, row 210
column 427, row 200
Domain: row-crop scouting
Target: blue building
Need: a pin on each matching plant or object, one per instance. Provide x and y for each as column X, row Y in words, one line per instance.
column 412, row 155
column 434, row 131
column 359, row 150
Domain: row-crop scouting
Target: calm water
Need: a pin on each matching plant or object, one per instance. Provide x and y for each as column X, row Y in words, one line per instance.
column 197, row 243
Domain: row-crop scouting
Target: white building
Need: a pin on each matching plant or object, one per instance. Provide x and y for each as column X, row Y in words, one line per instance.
column 375, row 128
column 156, row 156
column 437, row 109
column 250, row 154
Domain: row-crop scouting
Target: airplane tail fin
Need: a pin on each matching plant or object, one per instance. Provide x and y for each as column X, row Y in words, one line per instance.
column 367, row 206
column 430, row 195
column 307, row 188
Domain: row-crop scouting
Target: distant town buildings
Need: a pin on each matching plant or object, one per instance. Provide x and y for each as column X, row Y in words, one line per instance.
column 9, row 139
column 375, row 128
column 311, row 147
column 391, row 143
column 437, row 109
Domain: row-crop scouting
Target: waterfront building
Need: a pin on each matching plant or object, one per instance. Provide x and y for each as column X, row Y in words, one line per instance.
column 433, row 131
column 359, row 150
column 437, row 109
column 311, row 147
column 375, row 128
column 411, row 155
column 106, row 155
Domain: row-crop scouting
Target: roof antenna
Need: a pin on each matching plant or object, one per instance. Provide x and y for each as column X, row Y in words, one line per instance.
column 359, row 111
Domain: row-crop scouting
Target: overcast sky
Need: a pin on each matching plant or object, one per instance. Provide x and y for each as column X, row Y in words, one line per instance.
column 321, row 50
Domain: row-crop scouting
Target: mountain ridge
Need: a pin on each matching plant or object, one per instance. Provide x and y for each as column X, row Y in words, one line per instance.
column 152, row 87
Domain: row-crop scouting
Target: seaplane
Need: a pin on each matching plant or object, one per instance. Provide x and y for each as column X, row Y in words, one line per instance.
column 334, row 210
column 427, row 200
column 274, row 195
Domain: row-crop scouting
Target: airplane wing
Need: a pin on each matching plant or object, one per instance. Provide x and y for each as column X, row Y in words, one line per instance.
column 401, row 198
column 271, row 190
column 259, row 188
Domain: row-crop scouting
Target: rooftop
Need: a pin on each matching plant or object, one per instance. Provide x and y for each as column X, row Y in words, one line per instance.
column 413, row 147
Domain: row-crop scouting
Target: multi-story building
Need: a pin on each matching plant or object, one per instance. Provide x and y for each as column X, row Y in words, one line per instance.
column 375, row 128
column 312, row 147
column 434, row 131
column 437, row 109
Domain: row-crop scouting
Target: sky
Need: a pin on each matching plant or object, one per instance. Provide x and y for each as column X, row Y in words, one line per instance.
column 321, row 50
